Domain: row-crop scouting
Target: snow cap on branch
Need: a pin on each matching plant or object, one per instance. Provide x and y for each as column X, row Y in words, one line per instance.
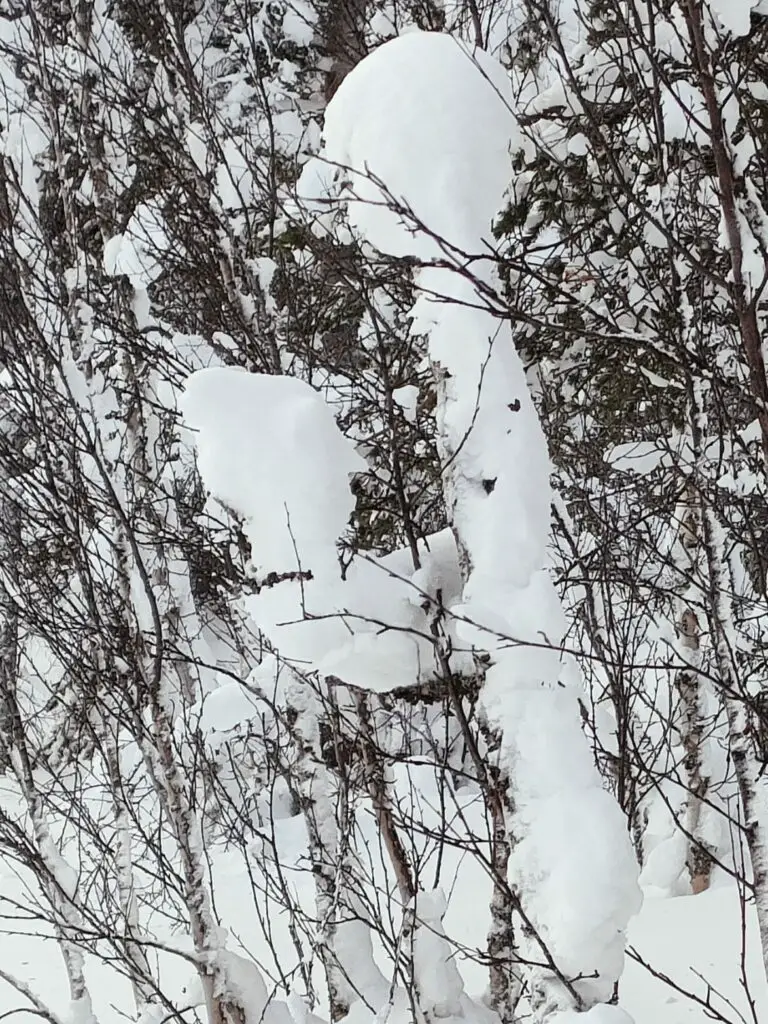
column 268, row 448
column 449, row 108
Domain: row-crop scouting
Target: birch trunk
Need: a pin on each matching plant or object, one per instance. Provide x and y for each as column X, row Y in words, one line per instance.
column 504, row 981
column 139, row 969
column 753, row 790
column 344, row 933
column 737, row 701
column 690, row 688
column 752, row 784
column 53, row 874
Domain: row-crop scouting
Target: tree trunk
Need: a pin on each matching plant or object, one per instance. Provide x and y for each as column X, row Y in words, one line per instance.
column 690, row 689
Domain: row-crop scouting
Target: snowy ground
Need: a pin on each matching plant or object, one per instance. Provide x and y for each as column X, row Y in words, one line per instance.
column 690, row 936
column 692, row 940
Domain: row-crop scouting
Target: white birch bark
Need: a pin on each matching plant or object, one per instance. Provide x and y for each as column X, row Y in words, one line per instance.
column 691, row 689
column 752, row 784
column 343, row 937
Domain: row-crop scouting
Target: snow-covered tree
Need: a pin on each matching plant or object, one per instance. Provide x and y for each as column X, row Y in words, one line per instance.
column 292, row 722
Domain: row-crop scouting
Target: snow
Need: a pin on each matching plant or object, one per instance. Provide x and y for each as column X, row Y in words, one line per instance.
column 435, row 973
column 684, row 112
column 600, row 1014
column 243, row 981
column 269, row 449
column 734, row 15
column 23, row 141
column 407, row 398
column 688, row 939
column 424, row 123
column 135, row 252
column 298, row 22
column 373, row 627
column 198, row 150
column 693, row 940
column 229, row 706
column 429, row 118
column 234, row 178
column 460, row 131
column 463, row 97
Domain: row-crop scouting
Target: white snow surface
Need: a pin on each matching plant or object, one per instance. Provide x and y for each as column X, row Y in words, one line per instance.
column 269, row 449
column 734, row 15
column 423, row 114
column 434, row 965
column 243, row 981
column 693, row 940
column 426, row 123
column 431, row 121
column 135, row 252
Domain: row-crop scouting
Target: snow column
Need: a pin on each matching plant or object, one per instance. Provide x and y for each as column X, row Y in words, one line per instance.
column 424, row 127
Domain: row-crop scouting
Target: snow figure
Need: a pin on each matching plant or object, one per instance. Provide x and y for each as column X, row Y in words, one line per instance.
column 423, row 130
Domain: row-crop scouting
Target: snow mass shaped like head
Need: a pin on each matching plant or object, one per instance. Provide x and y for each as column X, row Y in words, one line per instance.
column 429, row 120
column 268, row 447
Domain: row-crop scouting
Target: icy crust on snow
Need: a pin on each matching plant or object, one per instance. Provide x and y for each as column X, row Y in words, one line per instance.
column 428, row 124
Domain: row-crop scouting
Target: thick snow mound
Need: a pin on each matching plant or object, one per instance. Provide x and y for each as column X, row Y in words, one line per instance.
column 449, row 109
column 268, row 447
column 425, row 122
